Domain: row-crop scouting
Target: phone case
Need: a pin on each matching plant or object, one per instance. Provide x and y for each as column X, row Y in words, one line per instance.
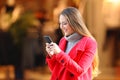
column 48, row 39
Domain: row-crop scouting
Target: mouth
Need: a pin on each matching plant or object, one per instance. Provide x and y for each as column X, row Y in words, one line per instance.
column 64, row 30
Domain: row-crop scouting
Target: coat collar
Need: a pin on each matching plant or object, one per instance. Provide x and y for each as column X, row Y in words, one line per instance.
column 81, row 44
column 74, row 37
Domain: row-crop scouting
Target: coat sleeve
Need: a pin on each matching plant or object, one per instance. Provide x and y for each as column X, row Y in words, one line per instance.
column 51, row 62
column 84, row 61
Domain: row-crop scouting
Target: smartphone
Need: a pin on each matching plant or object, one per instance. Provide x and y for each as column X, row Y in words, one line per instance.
column 48, row 39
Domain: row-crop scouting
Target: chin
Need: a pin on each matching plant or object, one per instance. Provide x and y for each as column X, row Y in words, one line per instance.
column 67, row 35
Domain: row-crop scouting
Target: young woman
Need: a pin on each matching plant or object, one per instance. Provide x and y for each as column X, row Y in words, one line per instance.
column 76, row 57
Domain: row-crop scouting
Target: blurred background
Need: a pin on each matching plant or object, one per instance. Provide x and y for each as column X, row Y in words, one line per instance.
column 24, row 22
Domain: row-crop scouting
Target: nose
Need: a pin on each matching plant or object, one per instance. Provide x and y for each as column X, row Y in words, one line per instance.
column 61, row 26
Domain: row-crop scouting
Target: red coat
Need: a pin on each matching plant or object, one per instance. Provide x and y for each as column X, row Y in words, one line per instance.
column 77, row 65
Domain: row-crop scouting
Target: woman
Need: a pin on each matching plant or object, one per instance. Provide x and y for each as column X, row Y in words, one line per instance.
column 76, row 56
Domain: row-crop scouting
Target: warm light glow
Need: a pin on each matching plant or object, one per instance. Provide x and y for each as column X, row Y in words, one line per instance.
column 111, row 10
column 112, row 1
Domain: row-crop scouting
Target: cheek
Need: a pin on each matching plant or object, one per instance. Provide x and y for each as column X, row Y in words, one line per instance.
column 69, row 28
column 60, row 27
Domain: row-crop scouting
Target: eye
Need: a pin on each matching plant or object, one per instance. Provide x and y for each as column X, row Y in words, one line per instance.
column 64, row 23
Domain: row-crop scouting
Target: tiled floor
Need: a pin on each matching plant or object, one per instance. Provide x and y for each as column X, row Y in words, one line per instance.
column 43, row 73
column 109, row 74
column 40, row 73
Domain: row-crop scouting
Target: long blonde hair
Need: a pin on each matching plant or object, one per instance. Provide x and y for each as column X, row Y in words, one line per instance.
column 75, row 20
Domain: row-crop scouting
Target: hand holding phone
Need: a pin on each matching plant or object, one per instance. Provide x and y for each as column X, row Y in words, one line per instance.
column 48, row 40
column 51, row 48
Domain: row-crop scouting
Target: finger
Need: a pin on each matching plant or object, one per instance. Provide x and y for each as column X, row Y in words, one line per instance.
column 51, row 44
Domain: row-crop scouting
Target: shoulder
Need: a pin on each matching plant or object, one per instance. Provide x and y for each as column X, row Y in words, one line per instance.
column 90, row 42
column 87, row 42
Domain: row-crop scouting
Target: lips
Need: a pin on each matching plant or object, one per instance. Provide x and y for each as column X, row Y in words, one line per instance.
column 65, row 31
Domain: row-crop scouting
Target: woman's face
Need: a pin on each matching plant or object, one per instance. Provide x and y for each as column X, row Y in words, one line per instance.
column 65, row 27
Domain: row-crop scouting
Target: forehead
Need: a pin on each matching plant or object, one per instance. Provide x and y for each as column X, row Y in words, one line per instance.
column 62, row 18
